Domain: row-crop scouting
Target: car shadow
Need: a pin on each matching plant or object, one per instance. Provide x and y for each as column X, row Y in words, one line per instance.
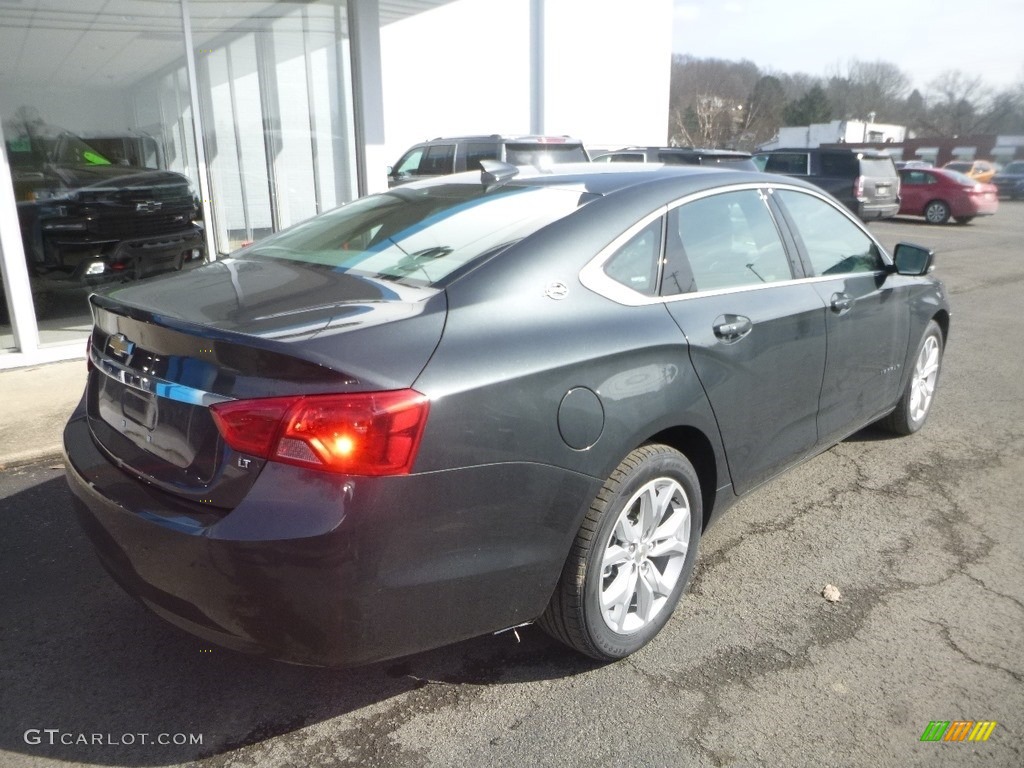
column 83, row 661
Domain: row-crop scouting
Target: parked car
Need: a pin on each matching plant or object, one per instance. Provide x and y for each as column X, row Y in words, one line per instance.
column 865, row 181
column 476, row 402
column 901, row 164
column 442, row 156
column 939, row 194
column 979, row 170
column 86, row 220
column 726, row 158
column 1010, row 180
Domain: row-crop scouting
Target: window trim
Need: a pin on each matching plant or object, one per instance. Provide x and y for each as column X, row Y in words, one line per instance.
column 593, row 277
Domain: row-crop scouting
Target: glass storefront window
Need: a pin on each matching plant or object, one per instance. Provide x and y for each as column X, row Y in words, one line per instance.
column 101, row 139
column 102, row 195
column 278, row 132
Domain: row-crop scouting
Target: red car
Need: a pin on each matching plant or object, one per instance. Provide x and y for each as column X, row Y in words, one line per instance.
column 939, row 194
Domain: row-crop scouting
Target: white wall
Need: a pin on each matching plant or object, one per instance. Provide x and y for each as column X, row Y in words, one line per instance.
column 461, row 68
column 608, row 65
column 464, row 68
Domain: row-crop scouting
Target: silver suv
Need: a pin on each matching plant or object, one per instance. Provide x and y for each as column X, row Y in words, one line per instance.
column 441, row 156
column 864, row 180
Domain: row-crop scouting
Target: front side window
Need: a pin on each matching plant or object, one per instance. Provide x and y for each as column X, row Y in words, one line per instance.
column 626, row 157
column 917, row 177
column 834, row 244
column 410, row 163
column 723, row 241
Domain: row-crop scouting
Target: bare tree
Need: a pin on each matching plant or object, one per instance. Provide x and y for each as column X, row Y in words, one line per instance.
column 958, row 104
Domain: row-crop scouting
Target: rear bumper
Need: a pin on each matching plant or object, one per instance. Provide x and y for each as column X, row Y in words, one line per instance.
column 331, row 570
column 868, row 210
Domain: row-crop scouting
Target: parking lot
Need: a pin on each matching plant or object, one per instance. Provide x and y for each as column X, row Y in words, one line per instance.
column 921, row 535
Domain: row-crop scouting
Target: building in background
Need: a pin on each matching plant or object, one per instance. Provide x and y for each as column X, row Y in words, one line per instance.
column 271, row 112
column 836, row 132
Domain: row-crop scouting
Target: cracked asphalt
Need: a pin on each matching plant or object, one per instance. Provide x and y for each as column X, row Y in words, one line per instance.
column 921, row 535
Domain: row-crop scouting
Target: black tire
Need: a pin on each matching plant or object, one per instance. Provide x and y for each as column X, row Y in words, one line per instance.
column 963, row 219
column 575, row 615
column 910, row 413
column 936, row 212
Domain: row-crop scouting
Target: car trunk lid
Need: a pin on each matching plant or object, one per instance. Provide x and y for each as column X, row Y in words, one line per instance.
column 164, row 351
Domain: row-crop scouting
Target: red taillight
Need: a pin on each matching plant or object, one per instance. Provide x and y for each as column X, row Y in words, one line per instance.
column 858, row 187
column 365, row 433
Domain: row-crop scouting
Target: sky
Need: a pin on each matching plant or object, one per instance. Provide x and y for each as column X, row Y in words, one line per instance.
column 821, row 37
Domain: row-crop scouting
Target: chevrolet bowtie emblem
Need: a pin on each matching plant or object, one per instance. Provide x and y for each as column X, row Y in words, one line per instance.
column 148, row 206
column 119, row 346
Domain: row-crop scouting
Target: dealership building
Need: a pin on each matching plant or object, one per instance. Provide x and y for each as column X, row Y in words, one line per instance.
column 273, row 112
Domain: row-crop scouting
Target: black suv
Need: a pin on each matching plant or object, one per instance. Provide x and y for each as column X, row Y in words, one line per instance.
column 86, row 220
column 441, row 156
column 725, row 158
column 865, row 181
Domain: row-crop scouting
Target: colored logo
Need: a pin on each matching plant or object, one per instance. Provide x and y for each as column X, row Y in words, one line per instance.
column 958, row 730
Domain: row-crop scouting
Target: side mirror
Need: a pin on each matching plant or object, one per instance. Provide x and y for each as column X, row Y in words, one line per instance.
column 390, row 171
column 913, row 259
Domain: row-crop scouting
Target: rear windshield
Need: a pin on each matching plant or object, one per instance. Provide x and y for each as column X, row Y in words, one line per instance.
column 419, row 237
column 962, row 167
column 877, row 167
column 540, row 154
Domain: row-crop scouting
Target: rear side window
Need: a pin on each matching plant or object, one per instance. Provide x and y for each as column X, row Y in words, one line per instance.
column 635, row 264
column 477, row 151
column 793, row 163
column 723, row 241
column 834, row 244
column 437, row 160
column 626, row 157
column 676, row 158
column 839, row 164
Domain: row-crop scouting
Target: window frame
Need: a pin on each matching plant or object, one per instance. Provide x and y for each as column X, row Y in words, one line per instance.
column 593, row 277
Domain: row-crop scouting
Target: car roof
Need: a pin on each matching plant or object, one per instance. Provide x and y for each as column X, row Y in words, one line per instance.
column 607, row 178
column 685, row 151
column 866, row 151
column 547, row 138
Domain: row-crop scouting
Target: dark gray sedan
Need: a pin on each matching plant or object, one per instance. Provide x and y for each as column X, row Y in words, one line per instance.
column 486, row 400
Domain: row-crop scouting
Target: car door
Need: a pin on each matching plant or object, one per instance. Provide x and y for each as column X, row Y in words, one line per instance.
column 914, row 185
column 867, row 322
column 756, row 335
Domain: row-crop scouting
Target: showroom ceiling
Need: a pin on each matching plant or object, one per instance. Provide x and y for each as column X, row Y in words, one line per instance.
column 115, row 43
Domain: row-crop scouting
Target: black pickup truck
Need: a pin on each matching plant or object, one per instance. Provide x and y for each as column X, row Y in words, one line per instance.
column 86, row 221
